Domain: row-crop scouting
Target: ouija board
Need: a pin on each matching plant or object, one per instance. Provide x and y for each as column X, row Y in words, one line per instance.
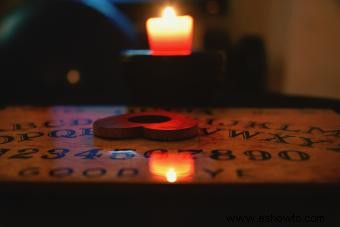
column 234, row 146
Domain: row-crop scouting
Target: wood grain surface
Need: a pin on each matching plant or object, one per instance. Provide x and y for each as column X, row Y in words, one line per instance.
column 251, row 146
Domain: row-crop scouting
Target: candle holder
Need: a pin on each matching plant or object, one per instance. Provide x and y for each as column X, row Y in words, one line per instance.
column 172, row 80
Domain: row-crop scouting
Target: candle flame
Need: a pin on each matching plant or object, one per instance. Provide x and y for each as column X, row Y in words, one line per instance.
column 169, row 12
column 171, row 175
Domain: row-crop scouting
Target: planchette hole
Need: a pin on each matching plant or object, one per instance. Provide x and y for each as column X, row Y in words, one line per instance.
column 149, row 119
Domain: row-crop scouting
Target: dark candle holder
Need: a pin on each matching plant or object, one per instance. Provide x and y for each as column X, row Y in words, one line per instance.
column 172, row 80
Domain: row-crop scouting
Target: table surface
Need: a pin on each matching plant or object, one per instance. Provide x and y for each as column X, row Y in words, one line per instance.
column 235, row 146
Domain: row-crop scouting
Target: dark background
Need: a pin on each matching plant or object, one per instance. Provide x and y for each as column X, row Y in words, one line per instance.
column 44, row 44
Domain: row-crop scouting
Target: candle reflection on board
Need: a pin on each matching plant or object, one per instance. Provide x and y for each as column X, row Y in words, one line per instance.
column 172, row 167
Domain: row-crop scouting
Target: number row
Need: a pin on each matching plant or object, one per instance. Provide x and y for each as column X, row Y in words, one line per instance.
column 125, row 154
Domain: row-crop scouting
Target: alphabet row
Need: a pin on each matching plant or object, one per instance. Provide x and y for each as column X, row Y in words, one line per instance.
column 62, row 133
column 129, row 153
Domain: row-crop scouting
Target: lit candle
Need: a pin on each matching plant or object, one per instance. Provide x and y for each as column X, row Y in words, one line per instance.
column 170, row 34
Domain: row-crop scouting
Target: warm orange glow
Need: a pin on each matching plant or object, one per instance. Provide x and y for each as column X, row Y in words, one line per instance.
column 170, row 34
column 173, row 167
column 73, row 76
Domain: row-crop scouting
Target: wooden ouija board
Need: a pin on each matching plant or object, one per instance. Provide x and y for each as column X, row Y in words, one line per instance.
column 234, row 146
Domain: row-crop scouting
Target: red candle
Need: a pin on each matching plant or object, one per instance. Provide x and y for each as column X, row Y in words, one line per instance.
column 170, row 34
